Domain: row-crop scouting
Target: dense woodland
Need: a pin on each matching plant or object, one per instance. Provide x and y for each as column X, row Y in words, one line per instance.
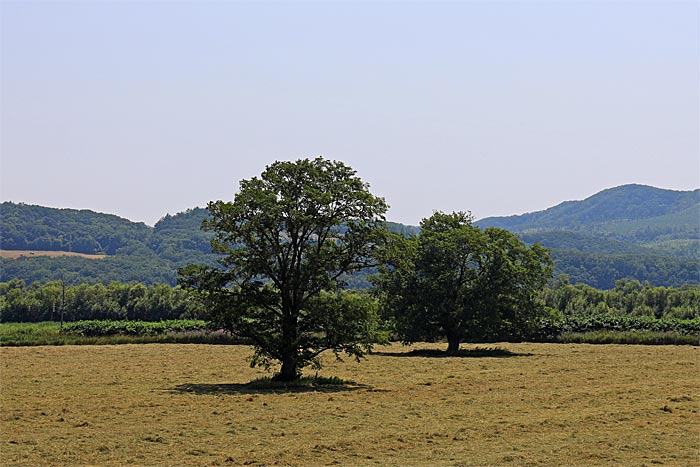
column 628, row 232
column 603, row 271
column 27, row 227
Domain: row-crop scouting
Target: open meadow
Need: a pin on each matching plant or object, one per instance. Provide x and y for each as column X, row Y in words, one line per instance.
column 188, row 405
column 14, row 254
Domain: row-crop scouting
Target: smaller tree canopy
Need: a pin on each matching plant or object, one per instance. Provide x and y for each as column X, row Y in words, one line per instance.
column 456, row 281
column 288, row 239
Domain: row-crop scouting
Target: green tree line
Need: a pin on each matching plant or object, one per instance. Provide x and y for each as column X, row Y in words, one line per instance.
column 20, row 302
column 53, row 301
column 627, row 298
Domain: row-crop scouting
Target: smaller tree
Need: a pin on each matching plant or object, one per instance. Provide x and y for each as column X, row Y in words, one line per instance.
column 456, row 281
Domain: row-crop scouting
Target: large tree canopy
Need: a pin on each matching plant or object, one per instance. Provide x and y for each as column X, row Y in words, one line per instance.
column 456, row 281
column 288, row 239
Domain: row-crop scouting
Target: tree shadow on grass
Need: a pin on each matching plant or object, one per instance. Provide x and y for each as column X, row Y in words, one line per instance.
column 476, row 352
column 268, row 386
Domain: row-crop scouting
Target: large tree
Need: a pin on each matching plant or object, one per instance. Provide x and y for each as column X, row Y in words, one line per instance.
column 288, row 239
column 456, row 281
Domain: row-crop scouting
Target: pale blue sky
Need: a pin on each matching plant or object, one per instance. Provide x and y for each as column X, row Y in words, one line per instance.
column 146, row 108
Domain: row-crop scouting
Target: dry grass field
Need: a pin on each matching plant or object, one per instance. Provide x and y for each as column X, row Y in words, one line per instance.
column 187, row 405
column 14, row 254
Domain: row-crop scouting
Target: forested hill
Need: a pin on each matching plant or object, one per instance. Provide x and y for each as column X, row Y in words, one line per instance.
column 637, row 213
column 632, row 231
column 28, row 227
column 136, row 252
column 663, row 222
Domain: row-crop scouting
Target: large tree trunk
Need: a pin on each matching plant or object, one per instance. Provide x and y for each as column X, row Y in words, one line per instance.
column 290, row 358
column 289, row 371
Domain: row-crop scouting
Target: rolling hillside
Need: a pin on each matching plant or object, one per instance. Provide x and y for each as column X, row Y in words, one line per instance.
column 135, row 251
column 29, row 227
column 642, row 215
column 631, row 231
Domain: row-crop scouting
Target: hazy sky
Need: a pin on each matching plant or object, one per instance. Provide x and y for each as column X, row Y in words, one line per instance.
column 147, row 108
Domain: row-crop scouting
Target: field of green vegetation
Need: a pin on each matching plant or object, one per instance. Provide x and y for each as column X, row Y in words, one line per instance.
column 630, row 313
column 99, row 332
column 620, row 330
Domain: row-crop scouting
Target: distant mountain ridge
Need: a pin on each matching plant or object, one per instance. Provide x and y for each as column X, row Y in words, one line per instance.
column 632, row 231
column 607, row 210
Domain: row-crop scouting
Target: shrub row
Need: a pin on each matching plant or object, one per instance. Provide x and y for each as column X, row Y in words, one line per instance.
column 98, row 328
column 689, row 327
column 596, row 329
column 629, row 337
column 550, row 329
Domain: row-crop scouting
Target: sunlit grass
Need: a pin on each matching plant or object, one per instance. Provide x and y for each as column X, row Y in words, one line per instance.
column 505, row 405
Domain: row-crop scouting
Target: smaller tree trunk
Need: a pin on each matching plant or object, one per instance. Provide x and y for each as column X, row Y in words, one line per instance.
column 453, row 341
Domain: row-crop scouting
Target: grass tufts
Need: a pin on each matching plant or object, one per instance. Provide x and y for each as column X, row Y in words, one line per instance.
column 475, row 352
column 269, row 384
column 304, row 382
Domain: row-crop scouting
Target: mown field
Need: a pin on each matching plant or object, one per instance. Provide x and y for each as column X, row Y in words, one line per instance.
column 188, row 405
column 14, row 254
